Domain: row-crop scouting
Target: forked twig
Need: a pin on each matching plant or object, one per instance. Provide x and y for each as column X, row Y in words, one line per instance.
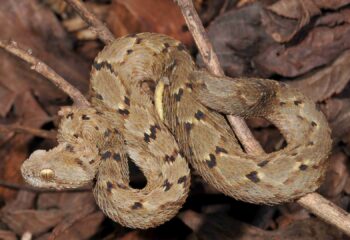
column 314, row 202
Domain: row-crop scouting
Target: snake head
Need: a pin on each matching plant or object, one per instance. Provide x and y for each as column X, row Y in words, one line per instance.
column 59, row 168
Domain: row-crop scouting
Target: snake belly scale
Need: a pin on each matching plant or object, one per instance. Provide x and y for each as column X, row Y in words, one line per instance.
column 150, row 104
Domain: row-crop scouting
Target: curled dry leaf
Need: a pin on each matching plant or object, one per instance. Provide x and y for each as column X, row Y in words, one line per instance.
column 327, row 81
column 285, row 18
column 322, row 45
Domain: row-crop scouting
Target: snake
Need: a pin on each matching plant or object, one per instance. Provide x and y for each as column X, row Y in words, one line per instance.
column 151, row 104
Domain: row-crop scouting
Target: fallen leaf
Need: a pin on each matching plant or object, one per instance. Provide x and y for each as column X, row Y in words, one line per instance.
column 322, row 45
column 327, row 81
column 237, row 36
column 337, row 112
column 34, row 221
column 133, row 16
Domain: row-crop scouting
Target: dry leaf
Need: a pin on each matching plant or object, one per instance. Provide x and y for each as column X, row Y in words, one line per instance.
column 323, row 44
column 161, row 16
column 327, row 81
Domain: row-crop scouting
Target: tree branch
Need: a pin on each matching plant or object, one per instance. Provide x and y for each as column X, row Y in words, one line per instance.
column 101, row 30
column 314, row 202
column 46, row 71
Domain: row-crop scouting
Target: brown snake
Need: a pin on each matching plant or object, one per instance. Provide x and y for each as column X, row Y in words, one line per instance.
column 152, row 105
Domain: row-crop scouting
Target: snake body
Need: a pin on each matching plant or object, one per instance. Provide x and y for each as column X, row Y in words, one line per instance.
column 150, row 104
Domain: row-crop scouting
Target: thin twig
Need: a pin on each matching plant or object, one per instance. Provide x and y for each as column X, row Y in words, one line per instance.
column 101, row 30
column 23, row 129
column 314, row 202
column 46, row 71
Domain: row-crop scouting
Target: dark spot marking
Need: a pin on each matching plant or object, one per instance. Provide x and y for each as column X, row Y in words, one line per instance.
column 199, row 115
column 282, row 103
column 107, row 133
column 153, row 135
column 311, row 143
column 182, row 179
column 127, row 101
column 181, row 153
column 303, row 167
column 97, row 128
column 92, row 161
column 70, row 115
column 212, row 161
column 153, row 130
column 146, row 138
column 137, row 205
column 166, row 47
column 179, row 94
column 99, row 96
column 167, row 185
column 85, row 117
column 297, row 102
column 79, row 162
column 189, row 85
column 138, row 40
column 263, row 163
column 99, row 112
column 190, row 151
column 69, row 148
column 253, row 176
column 170, row 158
column 110, row 186
column 188, row 126
column 116, row 156
column 129, row 51
column 313, row 124
column 123, row 112
column 103, row 64
column 181, row 47
column 294, row 154
column 75, row 135
column 220, row 150
column 106, row 155
column 300, row 117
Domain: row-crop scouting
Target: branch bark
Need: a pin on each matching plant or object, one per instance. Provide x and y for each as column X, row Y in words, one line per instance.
column 314, row 202
column 102, row 31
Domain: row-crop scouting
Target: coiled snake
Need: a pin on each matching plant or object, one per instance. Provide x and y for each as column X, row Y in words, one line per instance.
column 152, row 105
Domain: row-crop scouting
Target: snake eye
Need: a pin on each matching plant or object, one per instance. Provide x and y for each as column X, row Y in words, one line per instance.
column 47, row 174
